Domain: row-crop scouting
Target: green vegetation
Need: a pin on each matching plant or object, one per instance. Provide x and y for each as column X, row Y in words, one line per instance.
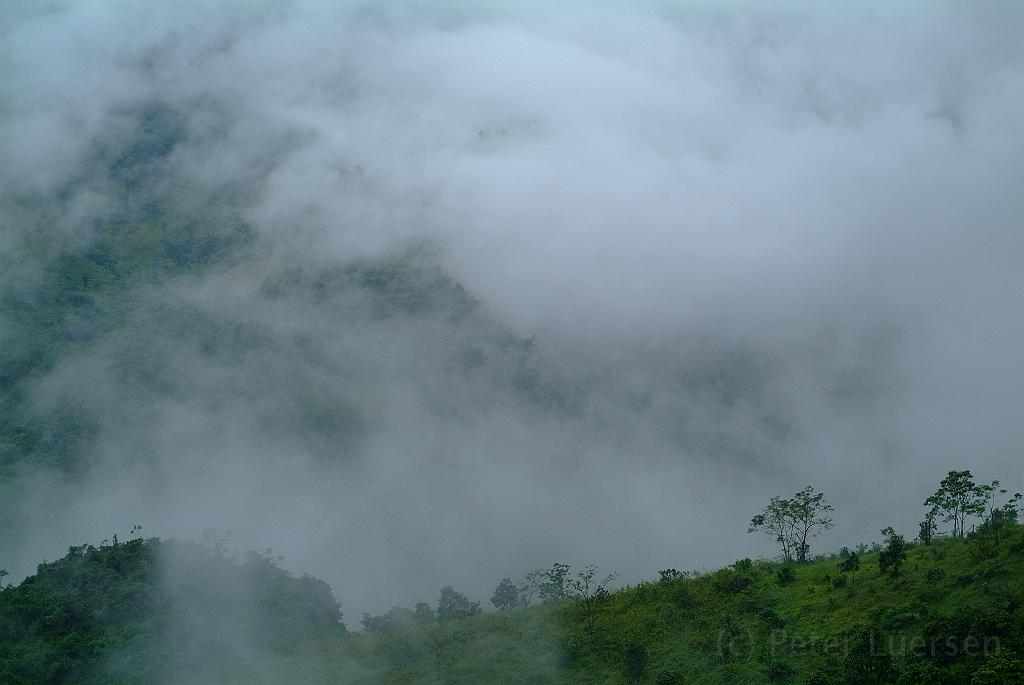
column 894, row 554
column 953, row 614
column 59, row 296
column 793, row 521
column 104, row 293
column 147, row 611
column 947, row 612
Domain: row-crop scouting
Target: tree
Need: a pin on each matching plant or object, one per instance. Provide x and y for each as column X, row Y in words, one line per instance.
column 866, row 661
column 998, row 517
column 586, row 589
column 552, row 587
column 423, row 613
column 775, row 522
column 506, row 595
column 792, row 522
column 850, row 563
column 670, row 575
column 3, row 574
column 810, row 514
column 530, row 586
column 373, row 623
column 454, row 605
column 957, row 498
column 927, row 527
column 394, row 618
column 894, row 553
column 1010, row 512
column 999, row 668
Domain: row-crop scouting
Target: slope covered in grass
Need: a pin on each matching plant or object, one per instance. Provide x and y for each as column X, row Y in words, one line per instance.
column 952, row 615
column 142, row 611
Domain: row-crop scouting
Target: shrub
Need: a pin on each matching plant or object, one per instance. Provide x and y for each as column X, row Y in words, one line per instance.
column 670, row 676
column 770, row 618
column 964, row 579
column 681, row 596
column 636, row 662
column 785, row 575
column 999, row 668
column 820, row 678
column 779, row 671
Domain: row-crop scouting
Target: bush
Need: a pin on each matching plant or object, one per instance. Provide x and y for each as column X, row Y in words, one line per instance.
column 681, row 596
column 921, row 671
column 739, row 583
column 820, row 678
column 670, row 676
column 999, row 668
column 990, row 570
column 770, row 618
column 785, row 575
column 779, row 671
column 636, row 662
column 730, row 582
column 867, row 661
column 964, row 579
column 572, row 651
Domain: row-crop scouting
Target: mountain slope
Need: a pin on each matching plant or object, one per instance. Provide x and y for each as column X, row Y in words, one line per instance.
column 953, row 615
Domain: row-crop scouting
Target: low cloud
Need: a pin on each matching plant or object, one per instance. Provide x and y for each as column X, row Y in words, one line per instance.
column 709, row 254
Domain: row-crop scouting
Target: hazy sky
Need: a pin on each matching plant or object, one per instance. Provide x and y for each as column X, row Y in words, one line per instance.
column 766, row 245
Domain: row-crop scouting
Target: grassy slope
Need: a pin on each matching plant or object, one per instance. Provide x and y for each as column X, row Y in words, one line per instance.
column 737, row 625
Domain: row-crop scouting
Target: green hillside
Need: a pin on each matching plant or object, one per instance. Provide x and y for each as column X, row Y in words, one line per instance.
column 152, row 611
column 952, row 615
column 116, row 614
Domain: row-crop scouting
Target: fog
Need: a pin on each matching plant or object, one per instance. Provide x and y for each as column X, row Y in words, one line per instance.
column 678, row 257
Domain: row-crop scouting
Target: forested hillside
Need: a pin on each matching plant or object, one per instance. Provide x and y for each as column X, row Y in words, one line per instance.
column 146, row 611
column 170, row 302
column 59, row 301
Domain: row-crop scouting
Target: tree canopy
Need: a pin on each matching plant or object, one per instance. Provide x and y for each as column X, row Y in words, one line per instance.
column 793, row 521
